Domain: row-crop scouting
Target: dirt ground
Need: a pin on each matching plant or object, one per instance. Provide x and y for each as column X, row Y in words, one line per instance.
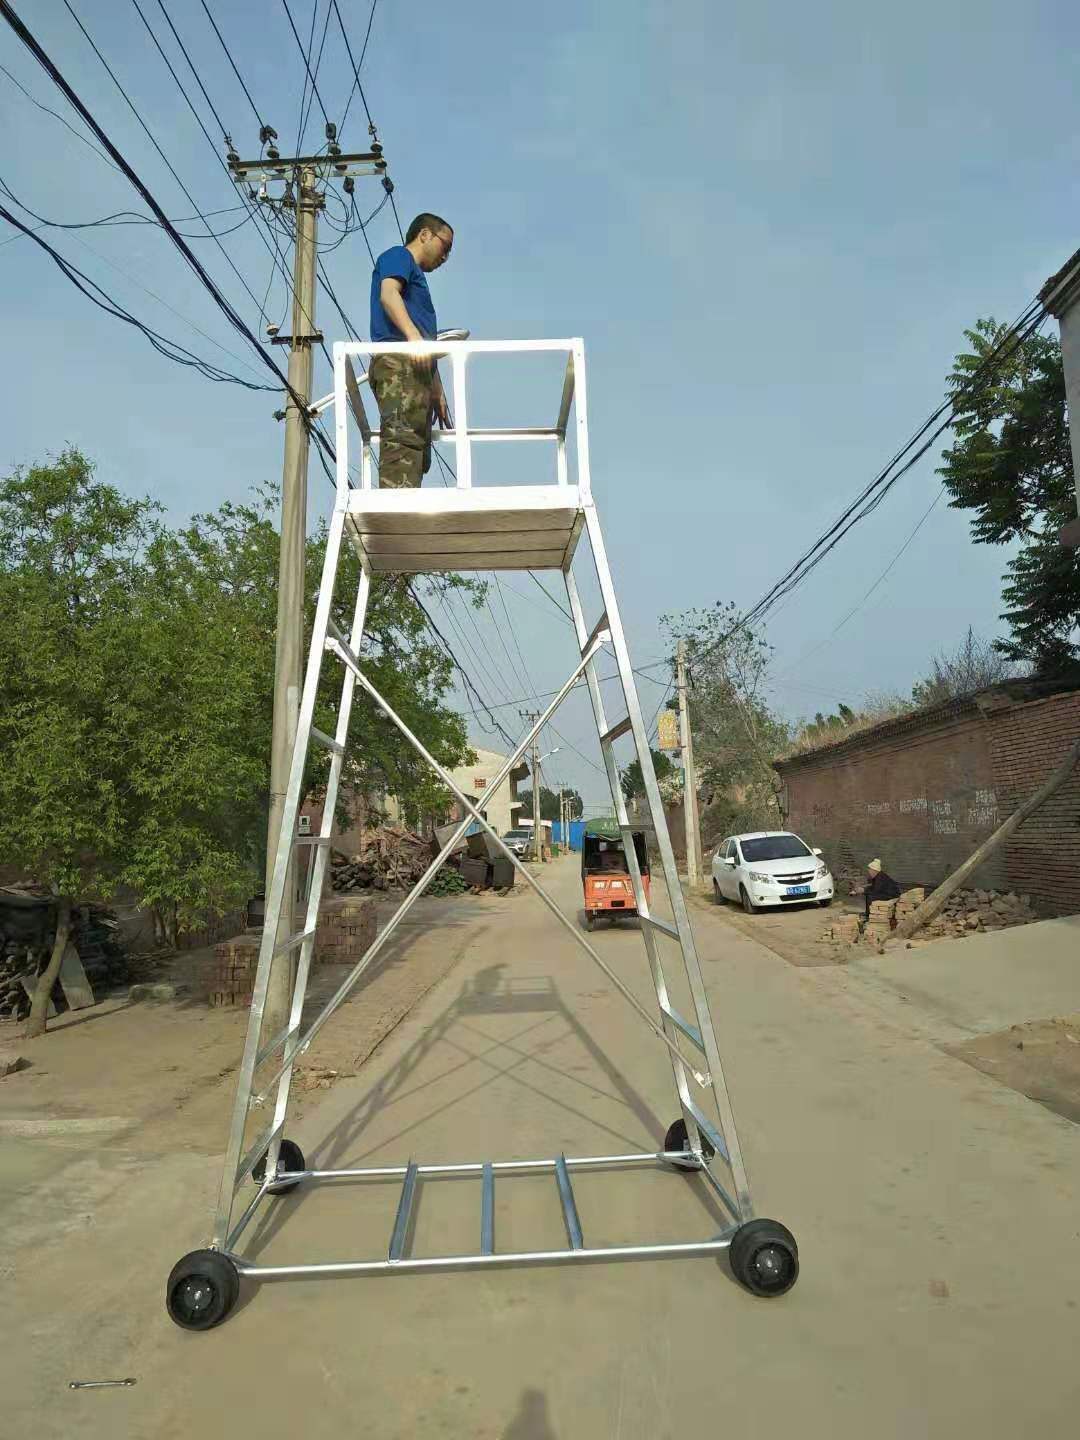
column 794, row 932
column 1040, row 1059
column 165, row 1070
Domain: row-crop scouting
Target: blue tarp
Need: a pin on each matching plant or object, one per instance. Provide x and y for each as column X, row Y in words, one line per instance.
column 576, row 829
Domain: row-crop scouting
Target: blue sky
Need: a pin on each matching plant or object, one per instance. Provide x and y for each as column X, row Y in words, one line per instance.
column 770, row 222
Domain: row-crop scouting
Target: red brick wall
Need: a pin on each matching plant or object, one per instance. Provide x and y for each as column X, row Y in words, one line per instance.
column 920, row 800
column 1028, row 743
column 924, row 797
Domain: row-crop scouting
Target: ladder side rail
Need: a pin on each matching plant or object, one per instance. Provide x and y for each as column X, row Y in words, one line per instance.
column 320, row 866
column 678, row 899
column 652, row 949
column 276, row 898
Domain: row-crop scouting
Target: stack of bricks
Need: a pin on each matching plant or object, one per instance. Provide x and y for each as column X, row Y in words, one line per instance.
column 846, row 930
column 909, row 902
column 345, row 931
column 880, row 924
column 231, row 977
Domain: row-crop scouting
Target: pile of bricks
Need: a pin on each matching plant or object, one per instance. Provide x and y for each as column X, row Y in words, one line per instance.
column 969, row 911
column 846, row 930
column 909, row 902
column 231, row 977
column 346, row 930
column 879, row 926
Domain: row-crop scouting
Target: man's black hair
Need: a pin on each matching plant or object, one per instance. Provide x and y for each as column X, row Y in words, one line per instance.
column 426, row 222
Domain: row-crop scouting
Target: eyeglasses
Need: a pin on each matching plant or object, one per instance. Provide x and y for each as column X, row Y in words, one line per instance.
column 447, row 245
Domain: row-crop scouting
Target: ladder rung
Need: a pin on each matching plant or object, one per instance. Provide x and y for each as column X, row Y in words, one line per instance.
column 312, row 840
column 262, row 1144
column 569, row 1208
column 616, row 730
column 404, row 1210
column 272, row 1045
column 664, row 926
column 690, row 1031
column 293, row 941
column 601, row 625
column 487, row 1211
column 327, row 740
column 715, row 1139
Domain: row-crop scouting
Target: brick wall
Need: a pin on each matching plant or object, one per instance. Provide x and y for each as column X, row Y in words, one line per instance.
column 1028, row 742
column 923, row 792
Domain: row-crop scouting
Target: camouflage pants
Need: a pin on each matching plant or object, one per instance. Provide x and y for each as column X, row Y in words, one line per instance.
column 404, row 390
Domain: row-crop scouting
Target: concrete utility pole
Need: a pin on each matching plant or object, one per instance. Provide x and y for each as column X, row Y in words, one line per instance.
column 690, row 806
column 1061, row 296
column 530, row 717
column 305, row 173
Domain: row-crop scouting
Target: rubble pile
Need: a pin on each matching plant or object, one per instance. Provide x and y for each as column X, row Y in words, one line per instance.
column 27, row 927
column 972, row 910
column 391, row 857
column 966, row 912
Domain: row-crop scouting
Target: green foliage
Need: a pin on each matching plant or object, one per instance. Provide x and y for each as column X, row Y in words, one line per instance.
column 736, row 732
column 632, row 781
column 549, row 803
column 70, row 580
column 1011, row 465
column 136, row 679
column 447, row 881
column 975, row 664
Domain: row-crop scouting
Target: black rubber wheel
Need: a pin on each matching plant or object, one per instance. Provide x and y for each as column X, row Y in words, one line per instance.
column 765, row 1257
column 747, row 904
column 677, row 1139
column 590, row 920
column 290, row 1157
column 717, row 894
column 202, row 1288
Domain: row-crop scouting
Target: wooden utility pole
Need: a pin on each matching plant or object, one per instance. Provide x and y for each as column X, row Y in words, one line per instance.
column 305, row 174
column 690, row 806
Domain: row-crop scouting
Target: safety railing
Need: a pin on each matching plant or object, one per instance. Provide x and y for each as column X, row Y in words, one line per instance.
column 351, row 383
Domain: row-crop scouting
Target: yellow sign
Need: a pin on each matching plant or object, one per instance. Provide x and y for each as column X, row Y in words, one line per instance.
column 668, row 730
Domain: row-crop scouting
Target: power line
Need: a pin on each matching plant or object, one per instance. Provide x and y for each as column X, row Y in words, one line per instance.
column 171, row 349
column 57, row 116
column 232, row 62
column 360, row 63
column 306, row 56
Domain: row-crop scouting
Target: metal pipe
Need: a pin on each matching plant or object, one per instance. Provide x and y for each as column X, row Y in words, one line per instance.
column 404, row 1211
column 487, row 1211
column 582, row 1162
column 469, row 1262
column 569, row 1205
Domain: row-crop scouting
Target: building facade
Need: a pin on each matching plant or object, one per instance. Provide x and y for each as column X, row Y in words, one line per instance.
column 922, row 792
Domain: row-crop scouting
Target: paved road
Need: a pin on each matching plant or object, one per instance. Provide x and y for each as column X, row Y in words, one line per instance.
column 936, row 1213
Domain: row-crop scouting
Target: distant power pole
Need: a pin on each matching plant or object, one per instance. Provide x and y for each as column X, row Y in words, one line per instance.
column 690, row 806
column 530, row 717
column 301, row 176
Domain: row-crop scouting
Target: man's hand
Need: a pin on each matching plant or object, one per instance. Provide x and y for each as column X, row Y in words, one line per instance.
column 440, row 409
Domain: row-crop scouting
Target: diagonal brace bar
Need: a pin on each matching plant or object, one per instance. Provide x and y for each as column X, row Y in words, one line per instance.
column 346, row 655
column 342, row 650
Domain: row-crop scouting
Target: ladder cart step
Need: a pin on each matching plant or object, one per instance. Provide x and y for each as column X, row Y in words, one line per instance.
column 613, row 734
column 569, row 1207
column 404, row 1211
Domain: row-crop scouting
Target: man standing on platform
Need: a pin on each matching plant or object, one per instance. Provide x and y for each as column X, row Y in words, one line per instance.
column 407, row 388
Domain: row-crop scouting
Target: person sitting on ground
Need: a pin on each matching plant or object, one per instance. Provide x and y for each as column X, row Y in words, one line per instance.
column 880, row 886
column 407, row 387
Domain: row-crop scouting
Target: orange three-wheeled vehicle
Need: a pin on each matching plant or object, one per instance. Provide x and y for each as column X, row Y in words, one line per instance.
column 605, row 877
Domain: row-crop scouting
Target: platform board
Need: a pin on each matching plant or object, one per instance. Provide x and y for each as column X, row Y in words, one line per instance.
column 491, row 528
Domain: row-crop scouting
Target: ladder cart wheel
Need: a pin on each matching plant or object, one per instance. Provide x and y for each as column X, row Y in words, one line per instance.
column 677, row 1139
column 290, row 1157
column 202, row 1288
column 765, row 1257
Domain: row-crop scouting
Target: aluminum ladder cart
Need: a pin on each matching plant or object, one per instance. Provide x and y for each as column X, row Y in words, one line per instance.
column 521, row 527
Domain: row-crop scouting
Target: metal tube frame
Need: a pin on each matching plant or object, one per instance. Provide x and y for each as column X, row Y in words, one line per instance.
column 707, row 1141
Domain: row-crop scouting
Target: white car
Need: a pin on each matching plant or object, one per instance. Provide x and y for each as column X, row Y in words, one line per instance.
column 767, row 868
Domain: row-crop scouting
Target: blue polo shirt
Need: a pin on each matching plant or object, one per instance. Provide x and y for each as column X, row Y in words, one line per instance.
column 397, row 263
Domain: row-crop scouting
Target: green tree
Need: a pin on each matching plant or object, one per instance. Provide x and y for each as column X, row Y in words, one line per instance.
column 1011, row 464
column 632, row 781
column 549, row 803
column 70, row 716
column 736, row 733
